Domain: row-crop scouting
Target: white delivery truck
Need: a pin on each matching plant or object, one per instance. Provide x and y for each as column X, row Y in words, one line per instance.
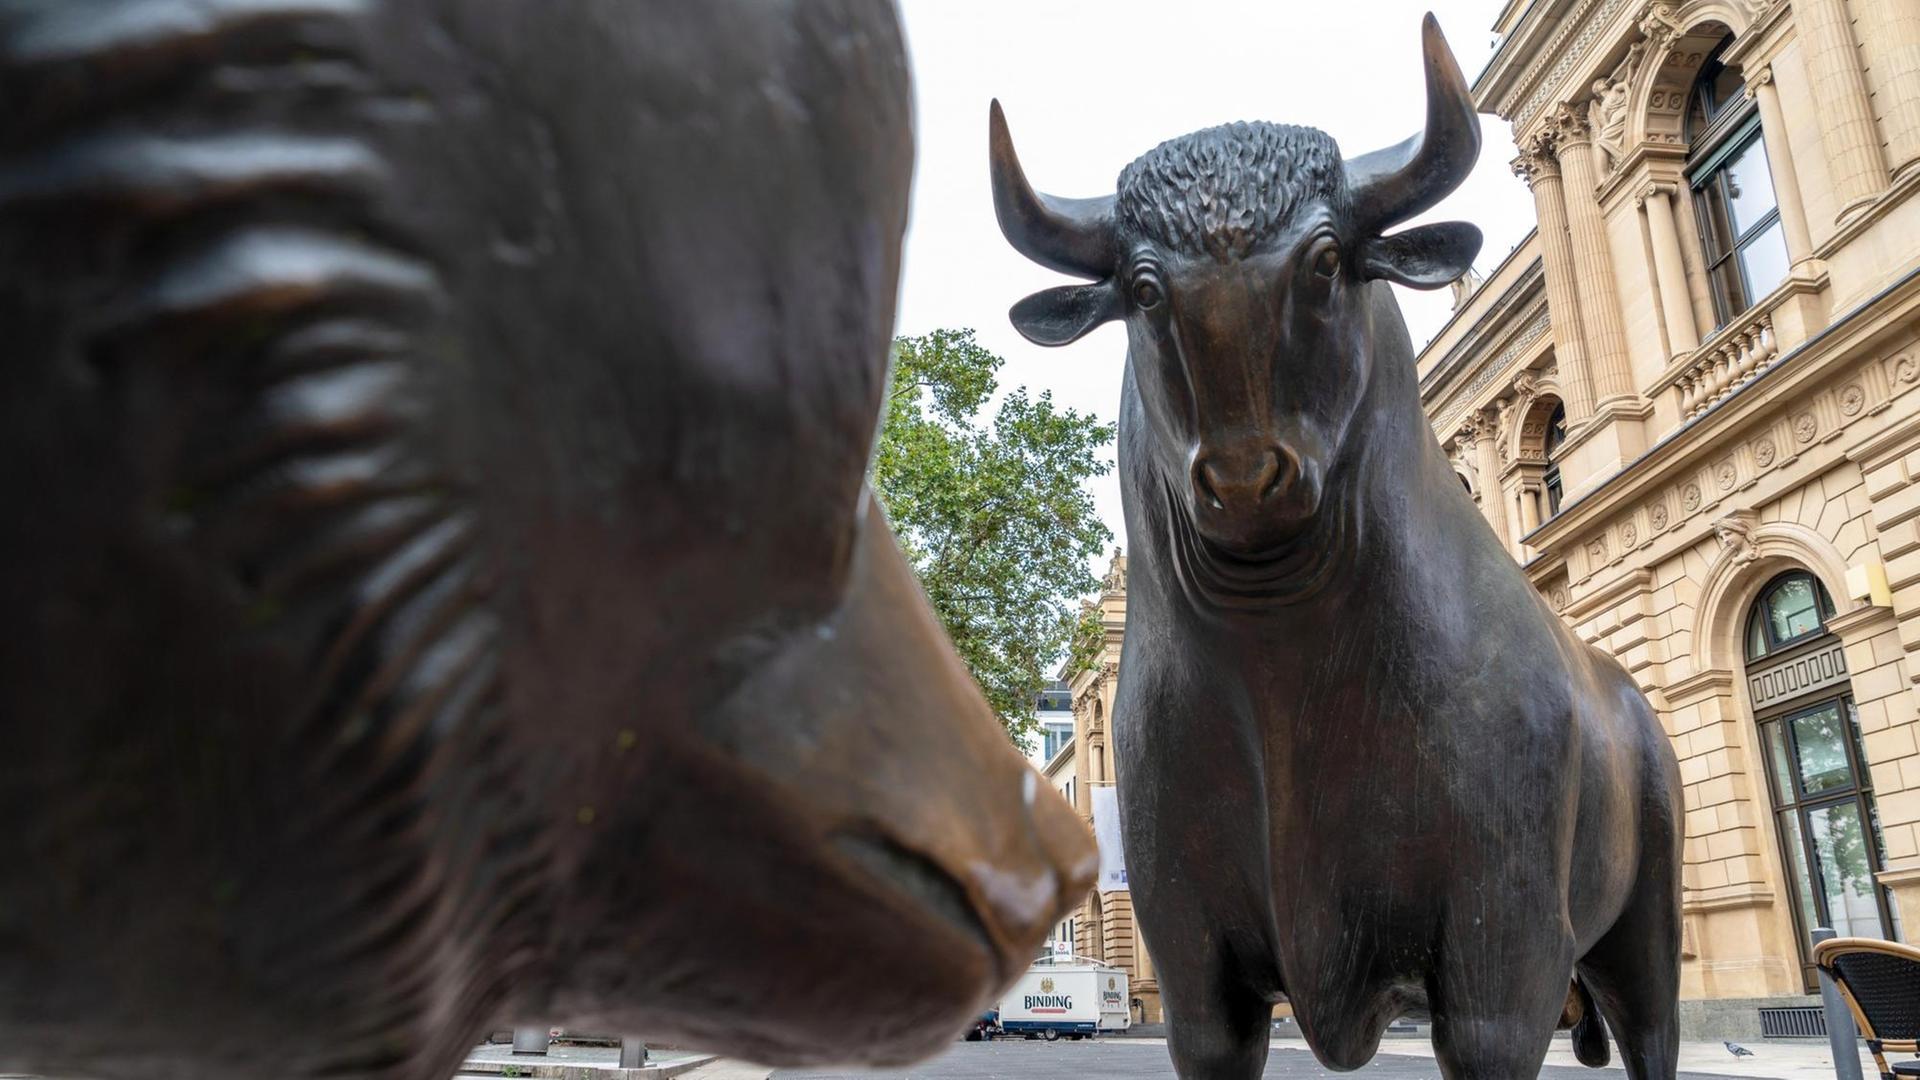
column 1066, row 995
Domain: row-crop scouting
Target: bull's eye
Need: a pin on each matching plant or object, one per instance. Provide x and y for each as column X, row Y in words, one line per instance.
column 1327, row 263
column 1146, row 294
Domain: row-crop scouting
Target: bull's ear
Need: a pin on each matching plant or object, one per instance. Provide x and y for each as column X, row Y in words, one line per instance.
column 1064, row 315
column 1423, row 257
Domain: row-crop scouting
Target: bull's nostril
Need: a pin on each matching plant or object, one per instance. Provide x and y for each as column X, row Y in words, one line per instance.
column 1279, row 476
column 1203, row 478
column 918, row 877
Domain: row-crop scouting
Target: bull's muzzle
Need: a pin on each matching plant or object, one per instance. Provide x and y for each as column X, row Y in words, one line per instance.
column 1250, row 496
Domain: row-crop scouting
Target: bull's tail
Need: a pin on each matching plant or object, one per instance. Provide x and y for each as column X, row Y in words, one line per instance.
column 1589, row 1031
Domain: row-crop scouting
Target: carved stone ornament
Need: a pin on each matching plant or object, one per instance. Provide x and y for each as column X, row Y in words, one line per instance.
column 1557, row 597
column 1537, row 160
column 1571, row 126
column 1657, row 516
column 1764, row 453
column 1724, row 474
column 1690, row 498
column 1462, row 288
column 1629, row 535
column 1659, row 26
column 1735, row 533
column 1472, row 426
column 1607, row 113
column 1805, row 427
column 1906, row 369
column 1853, row 398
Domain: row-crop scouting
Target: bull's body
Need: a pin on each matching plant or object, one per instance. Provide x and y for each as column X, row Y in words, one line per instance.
column 1361, row 764
column 1411, row 790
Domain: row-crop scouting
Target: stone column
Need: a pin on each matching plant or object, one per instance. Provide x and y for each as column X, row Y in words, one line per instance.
column 1890, row 30
column 1537, row 166
column 1478, row 432
column 1840, row 96
column 1593, row 259
column 1669, row 271
column 1786, row 180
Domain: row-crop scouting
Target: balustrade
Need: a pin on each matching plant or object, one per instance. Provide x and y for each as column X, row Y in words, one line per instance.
column 1726, row 362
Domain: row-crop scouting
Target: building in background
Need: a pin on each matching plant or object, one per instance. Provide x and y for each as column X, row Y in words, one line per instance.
column 1687, row 405
column 1053, row 718
column 1103, row 928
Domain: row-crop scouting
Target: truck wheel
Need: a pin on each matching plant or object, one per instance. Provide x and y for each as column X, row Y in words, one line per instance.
column 1052, row 1035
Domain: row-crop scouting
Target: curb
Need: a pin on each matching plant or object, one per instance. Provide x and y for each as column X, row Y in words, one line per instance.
column 550, row 1071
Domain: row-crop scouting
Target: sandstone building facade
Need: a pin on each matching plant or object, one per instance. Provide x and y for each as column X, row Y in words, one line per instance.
column 1102, row 927
column 1687, row 405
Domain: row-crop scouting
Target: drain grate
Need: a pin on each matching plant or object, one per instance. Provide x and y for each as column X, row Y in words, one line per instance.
column 1793, row 1022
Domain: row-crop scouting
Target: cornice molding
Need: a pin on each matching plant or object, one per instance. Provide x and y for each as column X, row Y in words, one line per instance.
column 1711, row 683
column 1731, row 896
column 1632, row 583
column 1516, row 350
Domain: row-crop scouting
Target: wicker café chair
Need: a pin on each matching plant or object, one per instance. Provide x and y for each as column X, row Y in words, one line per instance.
column 1880, row 981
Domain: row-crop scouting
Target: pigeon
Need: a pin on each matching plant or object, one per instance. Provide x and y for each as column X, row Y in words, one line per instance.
column 1736, row 1049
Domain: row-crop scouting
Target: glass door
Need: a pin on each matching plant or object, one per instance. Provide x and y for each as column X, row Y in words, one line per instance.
column 1829, row 831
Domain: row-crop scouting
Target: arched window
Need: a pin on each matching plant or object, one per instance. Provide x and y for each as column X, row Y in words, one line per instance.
column 1096, row 928
column 1746, row 251
column 1816, row 767
column 1550, row 479
column 1792, row 608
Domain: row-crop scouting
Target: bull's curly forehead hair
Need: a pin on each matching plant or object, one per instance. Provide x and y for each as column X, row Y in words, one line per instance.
column 1223, row 190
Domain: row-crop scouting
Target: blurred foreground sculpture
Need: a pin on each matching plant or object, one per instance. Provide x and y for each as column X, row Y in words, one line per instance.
column 1362, row 764
column 441, row 587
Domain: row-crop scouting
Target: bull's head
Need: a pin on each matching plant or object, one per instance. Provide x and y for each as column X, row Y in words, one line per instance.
column 1239, row 257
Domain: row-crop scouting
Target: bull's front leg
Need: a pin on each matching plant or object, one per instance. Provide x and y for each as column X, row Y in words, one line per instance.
column 1497, row 992
column 1204, row 919
column 1217, row 1026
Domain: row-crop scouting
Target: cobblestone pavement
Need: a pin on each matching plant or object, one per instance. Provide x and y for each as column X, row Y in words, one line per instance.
column 1129, row 1058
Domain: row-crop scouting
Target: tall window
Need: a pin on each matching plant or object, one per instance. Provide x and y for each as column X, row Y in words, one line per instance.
column 1746, row 251
column 1550, row 480
column 1816, row 768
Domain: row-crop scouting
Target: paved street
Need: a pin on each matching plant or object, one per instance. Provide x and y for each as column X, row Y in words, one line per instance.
column 1126, row 1058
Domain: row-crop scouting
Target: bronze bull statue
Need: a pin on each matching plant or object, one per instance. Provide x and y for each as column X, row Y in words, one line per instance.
column 1361, row 763
column 441, row 584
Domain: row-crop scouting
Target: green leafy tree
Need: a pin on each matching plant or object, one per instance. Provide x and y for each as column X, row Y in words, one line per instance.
column 993, row 513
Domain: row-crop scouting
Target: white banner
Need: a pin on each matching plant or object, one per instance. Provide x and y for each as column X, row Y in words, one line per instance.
column 1106, row 833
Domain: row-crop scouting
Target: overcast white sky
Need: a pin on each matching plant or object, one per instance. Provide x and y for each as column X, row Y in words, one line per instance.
column 1090, row 86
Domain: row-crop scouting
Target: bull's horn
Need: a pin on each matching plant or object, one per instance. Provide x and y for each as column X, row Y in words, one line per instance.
column 1073, row 236
column 1391, row 185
